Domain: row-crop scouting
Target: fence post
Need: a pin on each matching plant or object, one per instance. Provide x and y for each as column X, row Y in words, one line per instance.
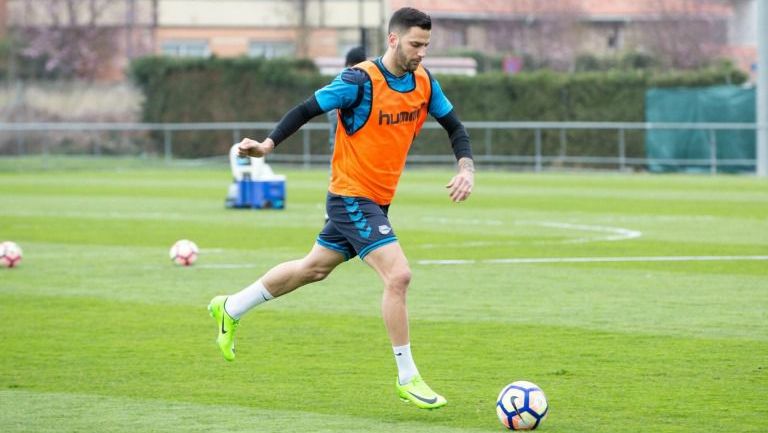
column 488, row 150
column 167, row 144
column 235, row 136
column 622, row 150
column 45, row 153
column 306, row 156
column 96, row 147
column 537, row 157
column 20, row 143
column 712, row 152
column 563, row 144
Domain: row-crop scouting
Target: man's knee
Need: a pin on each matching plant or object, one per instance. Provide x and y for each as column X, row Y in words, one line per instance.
column 399, row 279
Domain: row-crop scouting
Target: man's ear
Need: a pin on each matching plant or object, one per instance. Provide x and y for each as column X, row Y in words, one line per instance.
column 392, row 39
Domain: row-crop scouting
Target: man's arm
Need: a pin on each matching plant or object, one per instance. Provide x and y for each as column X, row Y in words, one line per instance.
column 294, row 119
column 458, row 135
column 343, row 92
column 460, row 187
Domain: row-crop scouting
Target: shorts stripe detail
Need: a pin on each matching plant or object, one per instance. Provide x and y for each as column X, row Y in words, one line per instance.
column 380, row 243
column 334, row 247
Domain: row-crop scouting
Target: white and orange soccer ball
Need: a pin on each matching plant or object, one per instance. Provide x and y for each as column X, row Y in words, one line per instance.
column 522, row 405
column 184, row 252
column 10, row 254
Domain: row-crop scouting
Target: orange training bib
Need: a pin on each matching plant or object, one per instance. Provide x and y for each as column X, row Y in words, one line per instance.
column 369, row 162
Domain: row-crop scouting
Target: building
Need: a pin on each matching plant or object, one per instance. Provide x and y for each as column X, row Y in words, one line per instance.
column 743, row 34
column 3, row 18
column 270, row 28
column 553, row 32
column 679, row 31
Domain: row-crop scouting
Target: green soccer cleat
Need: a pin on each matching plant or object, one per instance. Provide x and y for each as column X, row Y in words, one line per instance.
column 226, row 326
column 419, row 393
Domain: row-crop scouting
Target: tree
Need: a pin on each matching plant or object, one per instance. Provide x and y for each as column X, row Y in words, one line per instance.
column 687, row 34
column 541, row 30
column 84, row 38
column 70, row 40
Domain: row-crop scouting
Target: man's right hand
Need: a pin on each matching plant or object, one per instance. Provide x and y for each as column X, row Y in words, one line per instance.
column 254, row 148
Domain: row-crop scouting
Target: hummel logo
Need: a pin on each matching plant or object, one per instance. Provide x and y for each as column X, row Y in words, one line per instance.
column 425, row 400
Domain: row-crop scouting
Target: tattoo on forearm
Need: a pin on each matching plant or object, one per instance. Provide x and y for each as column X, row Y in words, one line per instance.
column 467, row 164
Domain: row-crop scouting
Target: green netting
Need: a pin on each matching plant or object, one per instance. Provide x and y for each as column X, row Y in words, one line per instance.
column 720, row 104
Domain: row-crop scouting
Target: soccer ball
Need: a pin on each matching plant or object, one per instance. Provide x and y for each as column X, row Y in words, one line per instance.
column 10, row 254
column 522, row 406
column 184, row 252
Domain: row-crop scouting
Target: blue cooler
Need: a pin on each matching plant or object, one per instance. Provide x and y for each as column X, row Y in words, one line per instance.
column 255, row 186
column 244, row 193
column 268, row 193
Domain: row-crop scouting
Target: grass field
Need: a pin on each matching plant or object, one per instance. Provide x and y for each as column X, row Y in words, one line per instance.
column 620, row 321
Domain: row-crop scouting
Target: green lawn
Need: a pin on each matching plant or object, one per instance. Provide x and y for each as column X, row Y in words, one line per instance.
column 101, row 333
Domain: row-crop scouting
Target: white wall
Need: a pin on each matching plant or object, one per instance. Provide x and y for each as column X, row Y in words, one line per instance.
column 742, row 28
column 270, row 13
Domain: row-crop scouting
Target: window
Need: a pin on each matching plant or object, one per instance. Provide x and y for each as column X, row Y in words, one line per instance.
column 454, row 34
column 188, row 48
column 271, row 49
column 615, row 38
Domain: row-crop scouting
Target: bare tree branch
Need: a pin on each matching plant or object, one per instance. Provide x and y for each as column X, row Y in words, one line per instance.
column 69, row 36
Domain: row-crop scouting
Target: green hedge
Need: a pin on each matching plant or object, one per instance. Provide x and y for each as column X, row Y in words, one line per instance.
column 231, row 90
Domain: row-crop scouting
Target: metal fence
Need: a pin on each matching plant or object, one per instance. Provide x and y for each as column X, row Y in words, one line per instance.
column 487, row 149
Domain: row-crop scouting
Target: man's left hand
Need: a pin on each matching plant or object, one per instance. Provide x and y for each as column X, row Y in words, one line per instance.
column 460, row 187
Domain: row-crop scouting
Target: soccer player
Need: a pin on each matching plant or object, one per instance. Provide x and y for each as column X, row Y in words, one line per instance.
column 382, row 104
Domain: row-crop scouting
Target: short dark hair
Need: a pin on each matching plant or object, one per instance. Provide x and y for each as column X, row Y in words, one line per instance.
column 355, row 56
column 405, row 18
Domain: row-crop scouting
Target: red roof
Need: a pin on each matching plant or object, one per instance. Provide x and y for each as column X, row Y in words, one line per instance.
column 595, row 9
column 656, row 7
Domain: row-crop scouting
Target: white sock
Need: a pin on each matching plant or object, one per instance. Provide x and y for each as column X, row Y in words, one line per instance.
column 242, row 301
column 406, row 369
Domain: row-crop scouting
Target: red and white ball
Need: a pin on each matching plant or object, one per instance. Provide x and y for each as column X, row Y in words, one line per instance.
column 522, row 405
column 10, row 254
column 184, row 252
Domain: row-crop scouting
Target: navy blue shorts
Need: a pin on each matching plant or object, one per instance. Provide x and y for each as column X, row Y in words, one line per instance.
column 356, row 226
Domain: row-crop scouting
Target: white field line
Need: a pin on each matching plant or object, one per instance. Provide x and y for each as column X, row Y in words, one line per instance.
column 471, row 221
column 529, row 260
column 226, row 266
column 111, row 215
column 590, row 260
column 170, row 265
column 611, row 234
column 614, row 233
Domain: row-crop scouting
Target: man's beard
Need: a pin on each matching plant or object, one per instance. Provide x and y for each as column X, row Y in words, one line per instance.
column 407, row 65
